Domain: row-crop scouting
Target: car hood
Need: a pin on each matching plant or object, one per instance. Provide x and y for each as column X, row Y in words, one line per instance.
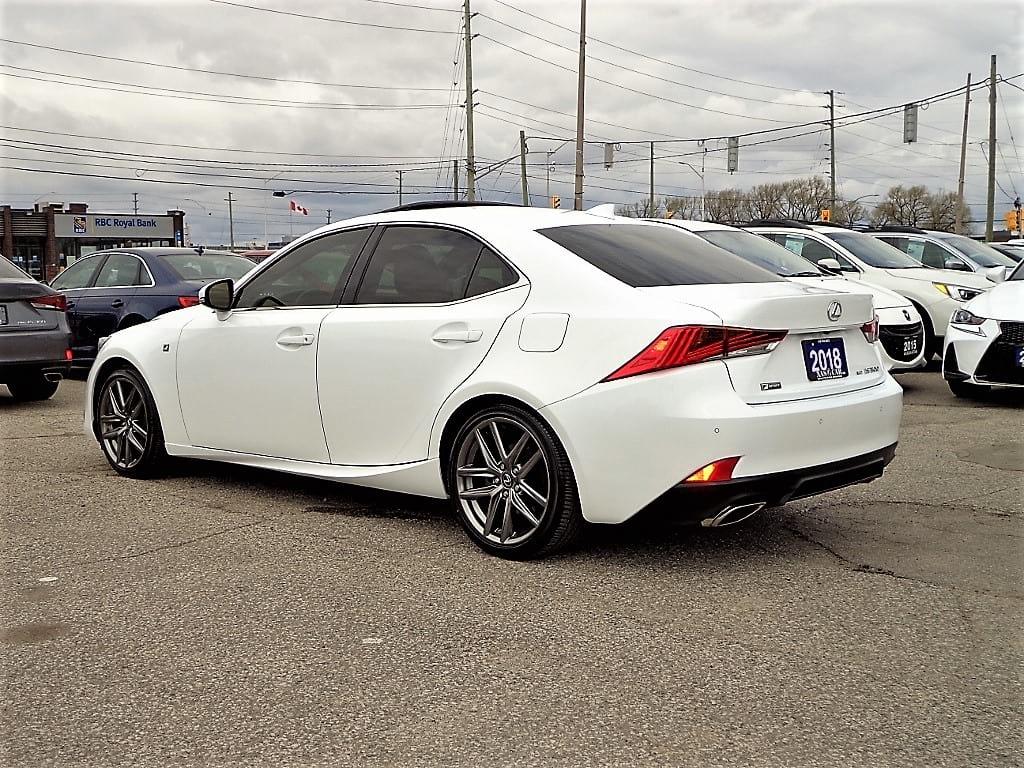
column 1003, row 302
column 882, row 297
column 951, row 276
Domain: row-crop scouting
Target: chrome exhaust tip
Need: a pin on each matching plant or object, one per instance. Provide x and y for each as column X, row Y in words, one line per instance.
column 733, row 515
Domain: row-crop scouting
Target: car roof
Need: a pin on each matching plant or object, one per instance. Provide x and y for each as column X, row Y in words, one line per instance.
column 157, row 251
column 486, row 215
column 695, row 225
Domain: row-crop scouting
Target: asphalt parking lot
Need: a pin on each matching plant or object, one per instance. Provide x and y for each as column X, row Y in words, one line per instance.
column 223, row 616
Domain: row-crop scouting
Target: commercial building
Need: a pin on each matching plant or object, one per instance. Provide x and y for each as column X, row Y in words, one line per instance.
column 46, row 238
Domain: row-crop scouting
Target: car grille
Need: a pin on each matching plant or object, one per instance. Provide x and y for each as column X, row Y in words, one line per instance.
column 1012, row 333
column 894, row 336
column 999, row 363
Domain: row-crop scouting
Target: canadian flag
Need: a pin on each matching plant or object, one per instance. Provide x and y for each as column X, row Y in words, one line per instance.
column 297, row 207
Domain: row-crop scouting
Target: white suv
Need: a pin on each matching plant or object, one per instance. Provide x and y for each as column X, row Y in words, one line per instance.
column 900, row 330
column 937, row 293
column 944, row 250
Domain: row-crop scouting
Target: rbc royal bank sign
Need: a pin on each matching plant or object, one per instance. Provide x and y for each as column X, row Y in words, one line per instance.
column 102, row 225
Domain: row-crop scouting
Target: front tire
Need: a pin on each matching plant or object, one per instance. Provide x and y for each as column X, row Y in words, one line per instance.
column 968, row 391
column 512, row 485
column 128, row 426
column 33, row 387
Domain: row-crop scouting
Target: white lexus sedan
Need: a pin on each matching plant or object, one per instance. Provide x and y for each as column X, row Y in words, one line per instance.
column 537, row 367
column 985, row 342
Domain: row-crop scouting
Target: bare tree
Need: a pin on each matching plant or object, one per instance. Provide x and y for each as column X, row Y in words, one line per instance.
column 804, row 198
column 902, row 205
column 765, row 201
column 942, row 211
column 683, row 207
column 639, row 210
column 849, row 213
column 726, row 206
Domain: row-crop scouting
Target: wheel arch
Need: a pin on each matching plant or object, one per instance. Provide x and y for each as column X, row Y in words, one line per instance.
column 108, row 366
column 464, row 410
column 134, row 318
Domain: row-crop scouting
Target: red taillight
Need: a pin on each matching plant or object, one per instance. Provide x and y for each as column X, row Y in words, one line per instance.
column 688, row 344
column 870, row 330
column 715, row 471
column 188, row 301
column 56, row 301
column 67, row 355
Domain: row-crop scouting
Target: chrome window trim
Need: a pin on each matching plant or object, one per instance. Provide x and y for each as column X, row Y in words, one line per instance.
column 152, row 282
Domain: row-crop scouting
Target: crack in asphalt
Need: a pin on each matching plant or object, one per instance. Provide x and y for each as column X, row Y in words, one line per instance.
column 38, row 437
column 165, row 547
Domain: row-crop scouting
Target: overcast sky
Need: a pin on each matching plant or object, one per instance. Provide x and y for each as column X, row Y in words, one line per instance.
column 725, row 68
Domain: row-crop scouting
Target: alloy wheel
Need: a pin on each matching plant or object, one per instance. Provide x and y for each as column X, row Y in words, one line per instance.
column 124, row 422
column 503, row 480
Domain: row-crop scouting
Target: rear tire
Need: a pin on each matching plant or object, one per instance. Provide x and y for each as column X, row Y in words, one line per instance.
column 128, row 426
column 33, row 387
column 968, row 391
column 512, row 486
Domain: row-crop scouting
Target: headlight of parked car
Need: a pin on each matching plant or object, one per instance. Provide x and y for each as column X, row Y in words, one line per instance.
column 968, row 321
column 957, row 292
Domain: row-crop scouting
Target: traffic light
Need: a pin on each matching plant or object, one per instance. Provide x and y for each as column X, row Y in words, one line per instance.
column 826, row 214
column 1012, row 220
column 556, row 201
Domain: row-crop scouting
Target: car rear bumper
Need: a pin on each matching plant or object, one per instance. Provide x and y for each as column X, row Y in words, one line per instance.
column 28, row 352
column 706, row 501
column 633, row 440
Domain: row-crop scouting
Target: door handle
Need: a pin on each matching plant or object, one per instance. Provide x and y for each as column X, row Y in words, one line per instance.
column 117, row 303
column 466, row 337
column 303, row 340
column 71, row 304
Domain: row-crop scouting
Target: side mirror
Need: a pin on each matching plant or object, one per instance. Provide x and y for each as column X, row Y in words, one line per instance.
column 956, row 264
column 996, row 274
column 219, row 295
column 832, row 265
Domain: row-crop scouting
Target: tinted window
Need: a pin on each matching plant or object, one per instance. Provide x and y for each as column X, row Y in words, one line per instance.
column 872, row 251
column 119, row 269
column 78, row 274
column 490, row 274
column 644, row 255
column 207, row 267
column 8, row 270
column 312, row 275
column 812, row 250
column 980, row 253
column 760, row 251
column 928, row 254
column 419, row 265
column 1018, row 272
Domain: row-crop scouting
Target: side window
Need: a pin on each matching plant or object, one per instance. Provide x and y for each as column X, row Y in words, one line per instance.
column 490, row 274
column 78, row 274
column 933, row 255
column 119, row 270
column 419, row 265
column 895, row 242
column 310, row 276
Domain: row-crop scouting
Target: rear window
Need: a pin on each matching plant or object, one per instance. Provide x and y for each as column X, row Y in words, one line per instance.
column 651, row 255
column 8, row 270
column 207, row 267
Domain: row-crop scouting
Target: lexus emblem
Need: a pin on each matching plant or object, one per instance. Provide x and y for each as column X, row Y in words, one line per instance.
column 835, row 311
column 906, row 314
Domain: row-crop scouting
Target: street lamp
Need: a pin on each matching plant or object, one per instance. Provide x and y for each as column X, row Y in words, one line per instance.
column 700, row 173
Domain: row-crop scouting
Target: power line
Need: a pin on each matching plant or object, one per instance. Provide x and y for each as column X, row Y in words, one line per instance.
column 192, row 95
column 219, row 73
column 332, row 20
column 122, row 140
column 645, row 56
column 623, row 87
column 1013, row 142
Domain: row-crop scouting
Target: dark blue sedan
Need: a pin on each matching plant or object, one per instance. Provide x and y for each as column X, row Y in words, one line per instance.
column 110, row 290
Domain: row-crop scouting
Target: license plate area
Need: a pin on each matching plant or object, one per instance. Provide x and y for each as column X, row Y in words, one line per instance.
column 825, row 359
column 3, row 315
column 910, row 347
column 1018, row 356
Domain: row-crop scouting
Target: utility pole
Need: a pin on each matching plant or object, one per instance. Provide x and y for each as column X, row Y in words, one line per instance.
column 470, row 158
column 959, row 228
column 455, row 179
column 328, row 215
column 400, row 187
column 990, row 202
column 231, row 218
column 580, row 90
column 522, row 166
column 832, row 145
column 135, row 202
column 650, row 209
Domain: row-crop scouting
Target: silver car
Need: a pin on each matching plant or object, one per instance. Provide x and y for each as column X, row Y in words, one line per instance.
column 35, row 341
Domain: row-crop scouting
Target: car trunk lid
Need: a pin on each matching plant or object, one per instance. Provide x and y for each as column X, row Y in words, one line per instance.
column 17, row 312
column 822, row 353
